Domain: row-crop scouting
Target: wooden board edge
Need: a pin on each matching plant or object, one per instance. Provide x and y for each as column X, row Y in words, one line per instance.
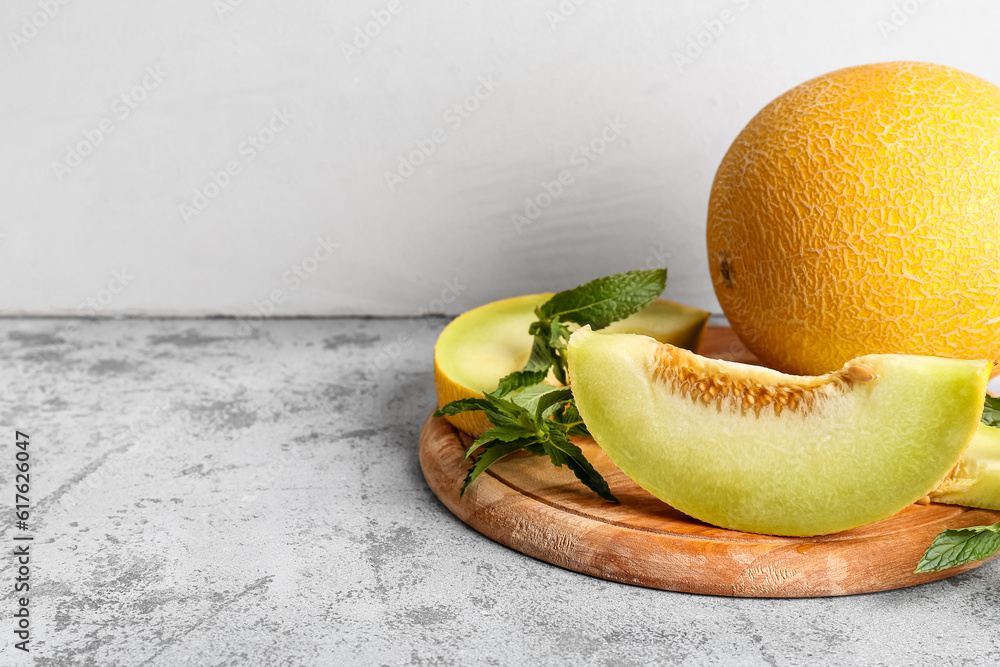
column 668, row 562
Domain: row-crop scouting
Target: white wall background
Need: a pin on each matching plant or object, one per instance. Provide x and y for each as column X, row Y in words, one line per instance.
column 563, row 71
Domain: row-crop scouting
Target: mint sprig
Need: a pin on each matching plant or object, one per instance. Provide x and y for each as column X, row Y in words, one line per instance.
column 540, row 418
column 605, row 300
column 960, row 546
column 991, row 411
column 597, row 303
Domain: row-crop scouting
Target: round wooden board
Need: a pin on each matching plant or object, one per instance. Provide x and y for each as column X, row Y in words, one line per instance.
column 543, row 511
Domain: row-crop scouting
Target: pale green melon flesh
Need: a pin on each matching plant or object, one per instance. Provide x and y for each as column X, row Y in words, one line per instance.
column 976, row 482
column 485, row 344
column 860, row 453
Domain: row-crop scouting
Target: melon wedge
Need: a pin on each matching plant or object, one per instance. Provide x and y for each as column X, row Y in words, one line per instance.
column 975, row 482
column 483, row 345
column 751, row 449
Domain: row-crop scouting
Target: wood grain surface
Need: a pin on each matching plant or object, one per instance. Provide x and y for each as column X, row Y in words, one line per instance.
column 529, row 505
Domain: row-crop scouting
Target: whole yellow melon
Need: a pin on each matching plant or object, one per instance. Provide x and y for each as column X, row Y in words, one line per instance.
column 859, row 213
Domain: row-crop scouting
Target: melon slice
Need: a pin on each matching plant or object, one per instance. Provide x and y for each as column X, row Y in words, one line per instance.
column 975, row 482
column 751, row 449
column 483, row 345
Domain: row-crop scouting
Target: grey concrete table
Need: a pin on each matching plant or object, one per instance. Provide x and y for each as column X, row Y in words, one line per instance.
column 206, row 497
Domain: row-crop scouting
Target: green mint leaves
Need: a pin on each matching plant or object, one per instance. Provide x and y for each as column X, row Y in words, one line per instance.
column 597, row 303
column 605, row 300
column 540, row 418
column 991, row 412
column 960, row 546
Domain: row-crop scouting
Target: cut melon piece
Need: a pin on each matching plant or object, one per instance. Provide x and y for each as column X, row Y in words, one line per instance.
column 483, row 345
column 751, row 449
column 975, row 482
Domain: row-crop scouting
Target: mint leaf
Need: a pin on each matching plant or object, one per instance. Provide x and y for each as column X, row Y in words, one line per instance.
column 472, row 405
column 597, row 303
column 510, row 411
column 563, row 452
column 528, row 397
column 605, row 300
column 539, row 418
column 462, row 405
column 991, row 411
column 545, row 348
column 558, row 333
column 518, row 380
column 534, row 419
column 960, row 546
column 541, row 357
column 571, row 420
column 550, row 399
column 508, row 433
column 488, row 457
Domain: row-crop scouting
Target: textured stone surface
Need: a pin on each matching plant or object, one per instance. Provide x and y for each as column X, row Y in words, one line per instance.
column 206, row 500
